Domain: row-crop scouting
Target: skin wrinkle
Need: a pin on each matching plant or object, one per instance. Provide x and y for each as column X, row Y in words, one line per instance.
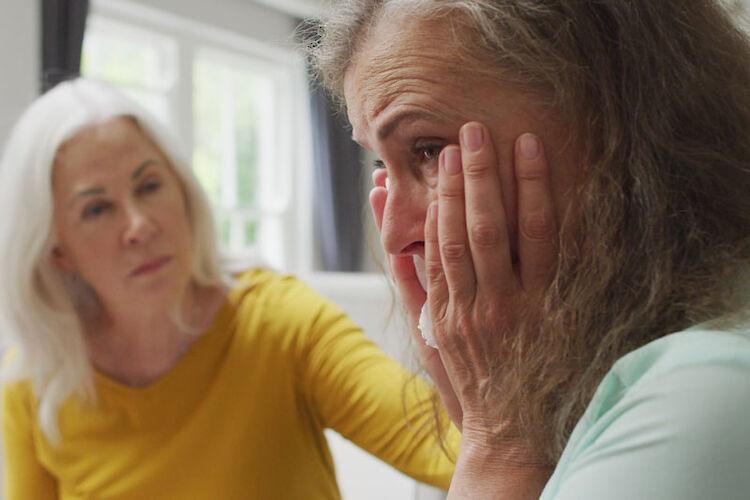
column 602, row 71
column 408, row 91
column 399, row 77
column 377, row 93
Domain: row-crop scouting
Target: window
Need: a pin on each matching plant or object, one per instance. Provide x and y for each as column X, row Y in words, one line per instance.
column 238, row 105
column 141, row 63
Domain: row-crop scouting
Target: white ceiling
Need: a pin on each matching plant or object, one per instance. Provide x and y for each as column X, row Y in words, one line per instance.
column 298, row 8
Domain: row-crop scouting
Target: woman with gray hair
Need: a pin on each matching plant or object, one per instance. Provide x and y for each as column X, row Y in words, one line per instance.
column 567, row 204
column 138, row 368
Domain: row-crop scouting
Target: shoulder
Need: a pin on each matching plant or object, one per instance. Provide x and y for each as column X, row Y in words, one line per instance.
column 281, row 306
column 274, row 292
column 670, row 420
column 690, row 348
column 17, row 398
column 14, row 388
column 695, row 385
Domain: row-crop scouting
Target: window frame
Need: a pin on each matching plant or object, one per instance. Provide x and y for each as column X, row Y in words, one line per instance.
column 293, row 249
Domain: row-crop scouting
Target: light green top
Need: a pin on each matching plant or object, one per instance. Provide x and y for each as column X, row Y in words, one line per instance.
column 670, row 421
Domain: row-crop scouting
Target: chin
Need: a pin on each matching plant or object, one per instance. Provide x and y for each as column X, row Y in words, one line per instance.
column 164, row 285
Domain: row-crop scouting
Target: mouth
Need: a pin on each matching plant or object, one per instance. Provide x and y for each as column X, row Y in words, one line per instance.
column 151, row 266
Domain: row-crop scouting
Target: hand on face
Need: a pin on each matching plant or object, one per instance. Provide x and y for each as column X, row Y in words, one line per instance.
column 476, row 286
column 476, row 290
column 413, row 297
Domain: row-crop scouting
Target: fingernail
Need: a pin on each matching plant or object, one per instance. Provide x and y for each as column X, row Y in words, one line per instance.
column 473, row 137
column 529, row 146
column 452, row 160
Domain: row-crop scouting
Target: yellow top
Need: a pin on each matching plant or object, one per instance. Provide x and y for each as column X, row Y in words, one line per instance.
column 240, row 416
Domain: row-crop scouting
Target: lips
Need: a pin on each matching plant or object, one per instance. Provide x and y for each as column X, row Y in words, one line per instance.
column 151, row 265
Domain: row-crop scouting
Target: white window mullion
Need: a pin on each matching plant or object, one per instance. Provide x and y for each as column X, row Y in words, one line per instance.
column 229, row 159
column 181, row 97
column 232, row 102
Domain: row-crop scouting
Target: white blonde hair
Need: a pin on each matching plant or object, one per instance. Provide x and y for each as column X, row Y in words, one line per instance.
column 38, row 315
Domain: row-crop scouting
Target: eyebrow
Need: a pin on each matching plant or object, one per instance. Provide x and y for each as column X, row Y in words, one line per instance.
column 100, row 190
column 399, row 119
column 86, row 192
column 141, row 168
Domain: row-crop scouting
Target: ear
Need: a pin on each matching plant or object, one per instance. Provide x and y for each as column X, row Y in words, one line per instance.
column 61, row 261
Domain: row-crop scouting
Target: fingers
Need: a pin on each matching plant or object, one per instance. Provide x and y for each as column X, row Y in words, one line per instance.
column 486, row 219
column 455, row 253
column 436, row 283
column 379, row 176
column 378, row 196
column 537, row 239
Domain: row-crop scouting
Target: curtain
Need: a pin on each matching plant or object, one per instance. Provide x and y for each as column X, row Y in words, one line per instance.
column 63, row 23
column 338, row 179
column 338, row 186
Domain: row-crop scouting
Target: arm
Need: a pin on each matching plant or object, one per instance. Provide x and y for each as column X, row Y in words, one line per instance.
column 369, row 398
column 24, row 475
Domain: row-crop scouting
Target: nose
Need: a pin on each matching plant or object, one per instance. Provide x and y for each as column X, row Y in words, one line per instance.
column 402, row 231
column 139, row 227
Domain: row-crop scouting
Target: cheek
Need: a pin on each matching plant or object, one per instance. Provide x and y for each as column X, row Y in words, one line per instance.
column 95, row 256
column 98, row 247
column 175, row 219
column 404, row 214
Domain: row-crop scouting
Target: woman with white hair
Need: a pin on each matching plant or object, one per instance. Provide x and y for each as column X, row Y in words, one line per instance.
column 140, row 369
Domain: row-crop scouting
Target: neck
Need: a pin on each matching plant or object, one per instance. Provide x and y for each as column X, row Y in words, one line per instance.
column 138, row 345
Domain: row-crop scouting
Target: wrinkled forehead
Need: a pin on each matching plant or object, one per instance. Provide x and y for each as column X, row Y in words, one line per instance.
column 396, row 55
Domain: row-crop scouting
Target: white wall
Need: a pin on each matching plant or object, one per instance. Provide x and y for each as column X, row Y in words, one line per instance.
column 19, row 60
column 241, row 16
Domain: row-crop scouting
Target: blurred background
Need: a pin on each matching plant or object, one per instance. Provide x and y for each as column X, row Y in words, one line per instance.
column 287, row 184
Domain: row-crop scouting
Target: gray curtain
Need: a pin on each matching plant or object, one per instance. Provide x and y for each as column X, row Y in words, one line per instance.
column 338, row 186
column 63, row 24
column 338, row 178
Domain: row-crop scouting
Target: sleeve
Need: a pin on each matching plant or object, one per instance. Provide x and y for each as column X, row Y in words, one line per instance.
column 24, row 476
column 369, row 398
column 684, row 435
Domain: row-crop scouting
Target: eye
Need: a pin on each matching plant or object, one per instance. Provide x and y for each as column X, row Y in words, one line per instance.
column 95, row 209
column 148, row 187
column 427, row 152
column 378, row 164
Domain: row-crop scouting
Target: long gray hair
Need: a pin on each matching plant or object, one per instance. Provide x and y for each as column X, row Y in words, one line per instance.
column 658, row 92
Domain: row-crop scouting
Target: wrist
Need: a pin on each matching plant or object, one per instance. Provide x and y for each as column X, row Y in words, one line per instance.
column 512, row 454
column 511, row 469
